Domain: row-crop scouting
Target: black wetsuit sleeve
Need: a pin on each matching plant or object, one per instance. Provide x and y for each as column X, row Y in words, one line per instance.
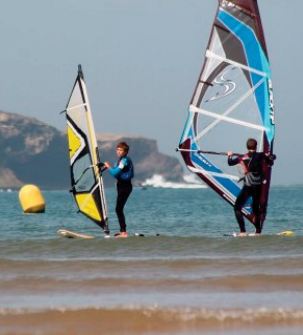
column 270, row 158
column 101, row 167
column 233, row 160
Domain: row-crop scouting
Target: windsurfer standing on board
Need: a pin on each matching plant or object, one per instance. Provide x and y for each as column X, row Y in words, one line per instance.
column 251, row 163
column 123, row 171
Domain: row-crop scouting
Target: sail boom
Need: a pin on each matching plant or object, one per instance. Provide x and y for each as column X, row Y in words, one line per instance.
column 203, row 151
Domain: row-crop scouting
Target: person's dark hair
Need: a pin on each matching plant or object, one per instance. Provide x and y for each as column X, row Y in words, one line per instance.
column 251, row 144
column 124, row 146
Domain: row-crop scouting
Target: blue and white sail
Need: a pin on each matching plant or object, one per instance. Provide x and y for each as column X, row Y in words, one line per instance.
column 232, row 101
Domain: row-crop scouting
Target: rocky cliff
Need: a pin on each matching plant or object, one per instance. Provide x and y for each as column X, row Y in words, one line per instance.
column 34, row 152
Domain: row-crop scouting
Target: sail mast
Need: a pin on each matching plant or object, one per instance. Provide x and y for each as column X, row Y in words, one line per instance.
column 95, row 150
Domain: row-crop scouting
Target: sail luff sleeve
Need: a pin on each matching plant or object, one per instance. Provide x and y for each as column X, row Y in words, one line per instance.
column 95, row 156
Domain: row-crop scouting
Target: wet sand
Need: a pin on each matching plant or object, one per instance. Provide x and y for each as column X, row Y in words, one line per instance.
column 151, row 321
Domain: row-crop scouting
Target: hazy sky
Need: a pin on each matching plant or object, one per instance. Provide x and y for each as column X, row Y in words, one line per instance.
column 141, row 60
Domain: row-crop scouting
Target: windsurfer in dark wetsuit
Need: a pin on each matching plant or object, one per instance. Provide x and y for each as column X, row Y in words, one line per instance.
column 252, row 165
column 123, row 171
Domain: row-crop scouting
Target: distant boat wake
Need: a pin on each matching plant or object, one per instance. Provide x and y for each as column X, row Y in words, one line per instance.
column 159, row 181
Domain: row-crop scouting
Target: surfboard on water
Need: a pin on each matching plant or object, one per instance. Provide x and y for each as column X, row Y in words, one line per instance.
column 286, row 233
column 144, row 235
column 137, row 234
column 72, row 234
column 234, row 234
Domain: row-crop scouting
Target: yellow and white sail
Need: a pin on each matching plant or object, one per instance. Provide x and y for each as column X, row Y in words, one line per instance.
column 86, row 178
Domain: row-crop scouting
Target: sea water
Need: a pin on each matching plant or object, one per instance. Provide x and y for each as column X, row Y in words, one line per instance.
column 183, row 277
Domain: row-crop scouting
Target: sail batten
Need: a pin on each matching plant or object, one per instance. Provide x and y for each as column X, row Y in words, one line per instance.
column 77, row 106
column 232, row 101
column 225, row 118
column 210, row 54
column 86, row 180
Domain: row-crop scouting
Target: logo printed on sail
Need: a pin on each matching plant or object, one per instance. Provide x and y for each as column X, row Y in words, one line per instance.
column 227, row 84
column 226, row 3
column 271, row 102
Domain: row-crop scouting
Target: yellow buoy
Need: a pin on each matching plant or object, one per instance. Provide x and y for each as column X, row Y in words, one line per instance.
column 31, row 199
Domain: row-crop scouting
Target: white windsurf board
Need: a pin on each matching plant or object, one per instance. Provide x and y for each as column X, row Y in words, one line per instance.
column 72, row 234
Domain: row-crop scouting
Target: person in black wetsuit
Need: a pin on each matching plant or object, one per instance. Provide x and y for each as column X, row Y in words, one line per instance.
column 123, row 171
column 251, row 163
